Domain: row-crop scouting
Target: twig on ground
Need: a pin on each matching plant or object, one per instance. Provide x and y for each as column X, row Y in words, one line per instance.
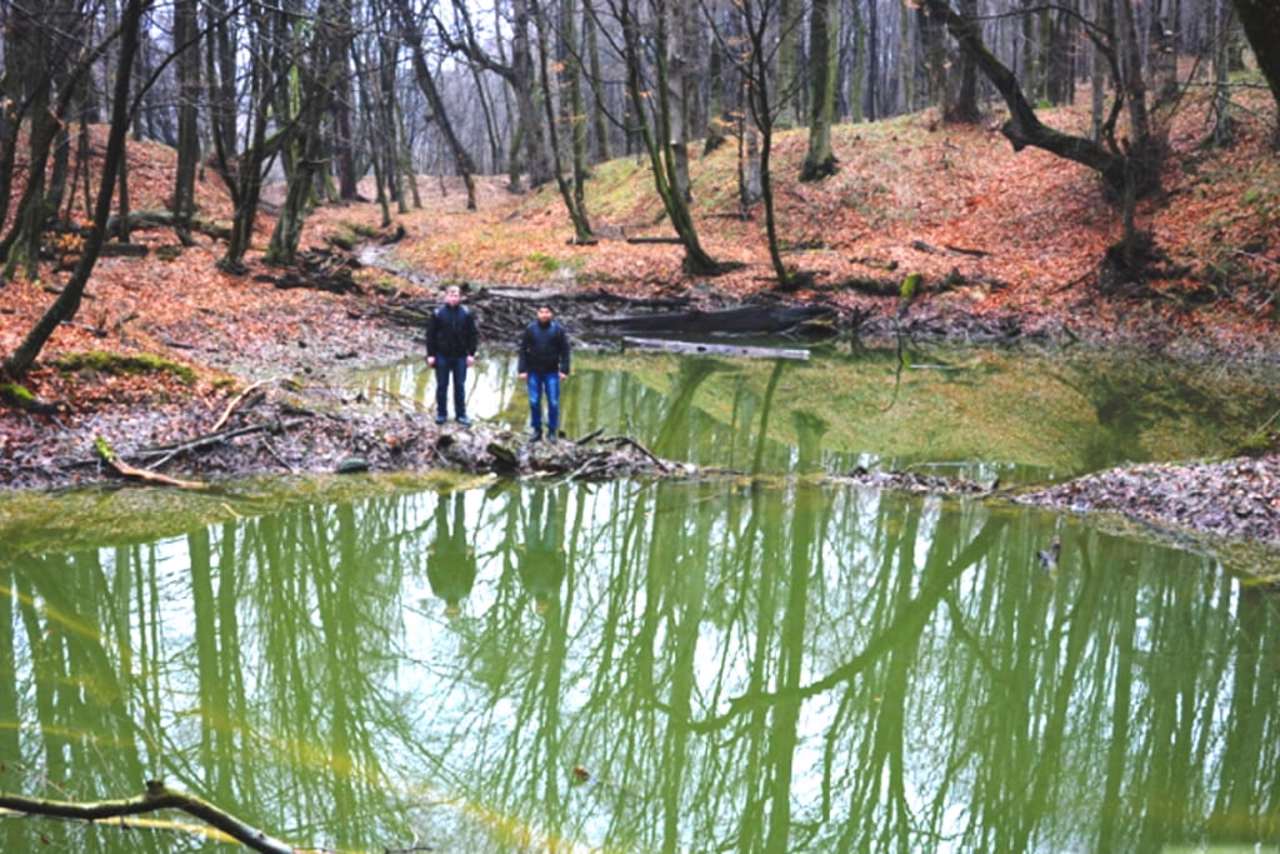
column 235, row 401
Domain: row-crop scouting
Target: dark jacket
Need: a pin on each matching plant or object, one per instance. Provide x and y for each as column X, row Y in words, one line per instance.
column 451, row 333
column 544, row 349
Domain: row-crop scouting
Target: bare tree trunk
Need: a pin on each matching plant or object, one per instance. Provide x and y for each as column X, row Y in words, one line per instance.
column 964, row 109
column 1219, row 26
column 570, row 194
column 68, row 302
column 186, row 39
column 1104, row 21
column 824, row 25
column 319, row 76
column 857, row 80
column 344, row 103
column 790, row 22
column 462, row 160
column 599, row 119
column 658, row 141
column 1262, row 28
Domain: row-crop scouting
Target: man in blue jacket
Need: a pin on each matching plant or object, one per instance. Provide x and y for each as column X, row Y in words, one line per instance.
column 451, row 349
column 544, row 362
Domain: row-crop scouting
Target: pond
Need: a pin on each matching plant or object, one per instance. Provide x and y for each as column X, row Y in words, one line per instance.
column 487, row 665
column 1016, row 414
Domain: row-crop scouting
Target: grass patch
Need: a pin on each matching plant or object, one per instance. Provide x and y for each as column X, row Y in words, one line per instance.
column 118, row 364
column 543, row 262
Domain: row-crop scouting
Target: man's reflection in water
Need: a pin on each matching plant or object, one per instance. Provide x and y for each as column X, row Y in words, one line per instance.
column 542, row 558
column 451, row 562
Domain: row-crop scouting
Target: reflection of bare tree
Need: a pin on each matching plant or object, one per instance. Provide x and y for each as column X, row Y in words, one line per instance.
column 792, row 669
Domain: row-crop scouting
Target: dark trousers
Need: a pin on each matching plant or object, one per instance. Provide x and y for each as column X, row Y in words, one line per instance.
column 456, row 367
column 548, row 385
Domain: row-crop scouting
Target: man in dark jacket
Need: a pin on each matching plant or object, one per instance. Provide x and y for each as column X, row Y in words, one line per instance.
column 544, row 362
column 451, row 349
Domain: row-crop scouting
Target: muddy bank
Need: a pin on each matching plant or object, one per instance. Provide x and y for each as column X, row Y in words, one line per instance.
column 291, row 429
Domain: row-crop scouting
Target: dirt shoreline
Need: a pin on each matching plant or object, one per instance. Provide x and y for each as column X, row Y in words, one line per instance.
column 321, row 426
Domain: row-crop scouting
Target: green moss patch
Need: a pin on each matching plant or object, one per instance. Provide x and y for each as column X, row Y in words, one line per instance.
column 119, row 364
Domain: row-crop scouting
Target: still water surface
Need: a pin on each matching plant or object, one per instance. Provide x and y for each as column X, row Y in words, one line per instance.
column 500, row 666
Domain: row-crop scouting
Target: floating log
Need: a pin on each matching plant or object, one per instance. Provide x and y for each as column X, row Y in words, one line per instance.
column 697, row 348
column 747, row 319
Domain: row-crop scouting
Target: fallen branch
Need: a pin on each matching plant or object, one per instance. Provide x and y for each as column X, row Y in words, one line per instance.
column 627, row 440
column 157, row 797
column 226, row 413
column 109, row 456
column 673, row 240
column 168, row 452
column 976, row 253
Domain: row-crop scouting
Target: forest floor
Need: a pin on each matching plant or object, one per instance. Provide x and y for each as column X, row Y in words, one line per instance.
column 1009, row 245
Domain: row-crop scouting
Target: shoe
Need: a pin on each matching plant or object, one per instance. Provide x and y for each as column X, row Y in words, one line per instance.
column 551, row 437
column 536, row 436
column 440, row 419
column 464, row 421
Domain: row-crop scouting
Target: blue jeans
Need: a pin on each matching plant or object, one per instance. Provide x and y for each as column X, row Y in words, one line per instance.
column 455, row 366
column 548, row 383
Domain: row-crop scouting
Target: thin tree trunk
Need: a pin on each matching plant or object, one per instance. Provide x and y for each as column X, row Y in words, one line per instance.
column 658, row 141
column 599, row 121
column 571, row 195
column 68, row 302
column 462, row 160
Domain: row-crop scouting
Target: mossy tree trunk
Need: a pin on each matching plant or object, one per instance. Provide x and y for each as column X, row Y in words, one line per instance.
column 186, row 39
column 319, row 76
column 824, row 25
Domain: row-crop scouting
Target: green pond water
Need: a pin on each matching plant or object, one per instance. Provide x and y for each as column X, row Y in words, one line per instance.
column 474, row 664
column 981, row 413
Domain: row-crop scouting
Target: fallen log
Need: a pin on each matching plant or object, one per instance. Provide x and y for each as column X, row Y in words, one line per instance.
column 157, row 797
column 109, row 456
column 746, row 319
column 143, row 220
column 124, row 250
column 732, row 350
column 641, row 240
